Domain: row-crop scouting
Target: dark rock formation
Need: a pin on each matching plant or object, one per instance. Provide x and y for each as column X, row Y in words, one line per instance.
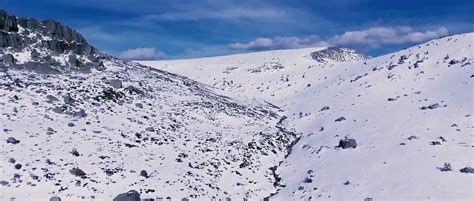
column 25, row 34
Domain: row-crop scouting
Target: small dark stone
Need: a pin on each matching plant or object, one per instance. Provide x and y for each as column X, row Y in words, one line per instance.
column 392, row 99
column 308, row 180
column 433, row 106
column 143, row 173
column 109, row 172
column 150, row 129
column 18, row 166
column 12, row 140
column 467, row 170
column 77, row 172
column 442, row 139
column 347, row 143
column 412, row 137
column 340, row 119
column 324, row 108
column 3, row 183
column 55, row 198
column 74, row 152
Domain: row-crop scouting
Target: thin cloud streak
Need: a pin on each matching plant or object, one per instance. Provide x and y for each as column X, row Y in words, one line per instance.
column 369, row 39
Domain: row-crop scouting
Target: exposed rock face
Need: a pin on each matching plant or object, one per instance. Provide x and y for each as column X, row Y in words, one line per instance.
column 41, row 39
column 14, row 32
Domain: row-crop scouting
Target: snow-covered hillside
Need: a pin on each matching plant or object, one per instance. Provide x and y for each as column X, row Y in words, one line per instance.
column 410, row 114
column 77, row 124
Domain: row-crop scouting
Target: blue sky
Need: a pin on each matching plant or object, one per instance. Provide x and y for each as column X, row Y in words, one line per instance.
column 165, row 29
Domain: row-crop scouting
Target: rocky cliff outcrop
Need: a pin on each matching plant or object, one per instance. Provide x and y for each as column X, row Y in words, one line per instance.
column 46, row 45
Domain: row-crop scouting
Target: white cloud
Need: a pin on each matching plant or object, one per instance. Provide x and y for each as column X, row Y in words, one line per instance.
column 379, row 36
column 372, row 38
column 142, row 54
column 279, row 43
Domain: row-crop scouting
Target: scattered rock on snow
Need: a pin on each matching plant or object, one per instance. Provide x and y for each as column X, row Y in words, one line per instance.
column 412, row 137
column 79, row 113
column 12, row 140
column 144, row 173
column 324, row 108
column 68, row 100
column 308, row 180
column 446, row 167
column 77, row 172
column 115, row 83
column 8, row 58
column 467, row 170
column 51, row 98
column 129, row 196
column 347, row 143
column 55, row 198
column 150, row 129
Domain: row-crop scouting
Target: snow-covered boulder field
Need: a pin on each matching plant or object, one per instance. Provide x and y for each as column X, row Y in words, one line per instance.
column 394, row 127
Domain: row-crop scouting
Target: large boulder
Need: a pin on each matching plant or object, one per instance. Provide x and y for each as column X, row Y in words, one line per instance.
column 8, row 58
column 116, row 83
column 128, row 196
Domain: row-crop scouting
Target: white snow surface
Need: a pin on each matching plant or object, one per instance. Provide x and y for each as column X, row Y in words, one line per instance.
column 384, row 100
column 191, row 142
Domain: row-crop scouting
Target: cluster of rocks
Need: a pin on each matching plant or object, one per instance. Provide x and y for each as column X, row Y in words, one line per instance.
column 339, row 55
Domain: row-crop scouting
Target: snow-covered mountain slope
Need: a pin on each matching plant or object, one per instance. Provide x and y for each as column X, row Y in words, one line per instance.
column 92, row 127
column 410, row 114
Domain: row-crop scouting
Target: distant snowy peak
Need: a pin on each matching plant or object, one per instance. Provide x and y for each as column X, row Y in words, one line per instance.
column 337, row 54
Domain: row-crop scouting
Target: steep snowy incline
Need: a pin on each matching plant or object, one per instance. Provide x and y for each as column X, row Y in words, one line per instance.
column 410, row 114
column 81, row 125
